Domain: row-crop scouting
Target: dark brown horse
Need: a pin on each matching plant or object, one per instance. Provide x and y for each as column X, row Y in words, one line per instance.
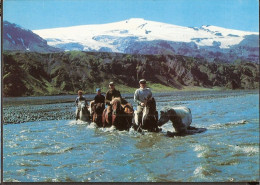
column 149, row 118
column 121, row 115
column 96, row 112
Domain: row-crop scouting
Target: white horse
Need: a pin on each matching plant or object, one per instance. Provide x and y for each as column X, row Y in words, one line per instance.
column 84, row 114
column 181, row 119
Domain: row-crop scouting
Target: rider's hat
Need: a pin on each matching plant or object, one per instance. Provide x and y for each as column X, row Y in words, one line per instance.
column 142, row 81
column 111, row 83
column 98, row 89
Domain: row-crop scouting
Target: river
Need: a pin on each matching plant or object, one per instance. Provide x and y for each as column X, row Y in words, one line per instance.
column 64, row 151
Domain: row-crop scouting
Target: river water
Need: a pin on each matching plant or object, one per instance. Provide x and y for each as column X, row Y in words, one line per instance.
column 64, row 150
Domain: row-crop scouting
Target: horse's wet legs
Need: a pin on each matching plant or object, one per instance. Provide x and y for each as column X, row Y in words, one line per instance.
column 156, row 116
column 139, row 114
column 77, row 114
column 109, row 112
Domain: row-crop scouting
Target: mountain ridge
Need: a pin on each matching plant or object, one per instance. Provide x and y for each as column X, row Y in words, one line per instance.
column 138, row 36
column 120, row 36
column 17, row 38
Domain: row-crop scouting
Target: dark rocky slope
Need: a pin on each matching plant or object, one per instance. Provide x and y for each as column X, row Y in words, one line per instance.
column 27, row 74
column 16, row 38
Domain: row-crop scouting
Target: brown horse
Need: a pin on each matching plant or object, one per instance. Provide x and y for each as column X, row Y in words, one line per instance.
column 96, row 112
column 121, row 115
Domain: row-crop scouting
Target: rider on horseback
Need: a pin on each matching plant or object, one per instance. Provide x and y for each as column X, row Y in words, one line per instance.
column 99, row 100
column 140, row 97
column 110, row 95
column 78, row 99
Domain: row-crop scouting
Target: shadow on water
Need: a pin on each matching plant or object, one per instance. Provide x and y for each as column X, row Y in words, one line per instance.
column 189, row 132
column 148, row 140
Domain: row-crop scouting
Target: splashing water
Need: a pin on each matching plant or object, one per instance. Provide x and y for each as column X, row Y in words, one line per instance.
column 67, row 150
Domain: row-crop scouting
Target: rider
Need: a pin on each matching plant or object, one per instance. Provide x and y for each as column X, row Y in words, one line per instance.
column 99, row 98
column 78, row 99
column 110, row 95
column 140, row 96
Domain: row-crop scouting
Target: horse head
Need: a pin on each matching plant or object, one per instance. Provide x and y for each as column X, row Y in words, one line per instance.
column 84, row 112
column 150, row 115
column 166, row 115
column 116, row 104
column 180, row 117
column 150, row 106
column 99, row 107
column 82, row 106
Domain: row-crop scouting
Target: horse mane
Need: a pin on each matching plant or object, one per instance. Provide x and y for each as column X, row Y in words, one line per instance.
column 180, row 111
column 116, row 100
column 166, row 109
column 91, row 103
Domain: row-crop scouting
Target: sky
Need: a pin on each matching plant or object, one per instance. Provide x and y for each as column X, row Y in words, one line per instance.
column 42, row 14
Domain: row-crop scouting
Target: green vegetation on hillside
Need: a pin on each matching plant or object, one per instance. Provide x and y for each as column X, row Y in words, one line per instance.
column 30, row 73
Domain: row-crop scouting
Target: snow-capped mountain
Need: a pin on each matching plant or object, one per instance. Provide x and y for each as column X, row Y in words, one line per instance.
column 139, row 36
column 106, row 35
column 149, row 37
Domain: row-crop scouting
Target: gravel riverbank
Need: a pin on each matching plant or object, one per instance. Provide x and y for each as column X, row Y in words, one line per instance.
column 43, row 108
column 28, row 113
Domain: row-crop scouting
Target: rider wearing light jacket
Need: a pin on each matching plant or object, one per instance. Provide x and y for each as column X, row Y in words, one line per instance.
column 141, row 94
column 78, row 99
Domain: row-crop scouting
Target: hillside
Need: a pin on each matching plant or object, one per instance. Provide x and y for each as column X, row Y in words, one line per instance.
column 27, row 74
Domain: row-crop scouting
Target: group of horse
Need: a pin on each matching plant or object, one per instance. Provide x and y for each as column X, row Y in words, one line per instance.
column 124, row 117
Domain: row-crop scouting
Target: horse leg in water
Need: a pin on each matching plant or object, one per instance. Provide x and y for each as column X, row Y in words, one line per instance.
column 116, row 115
column 139, row 121
column 128, row 119
column 94, row 112
column 98, row 117
column 77, row 113
column 99, row 110
column 105, row 119
column 109, row 115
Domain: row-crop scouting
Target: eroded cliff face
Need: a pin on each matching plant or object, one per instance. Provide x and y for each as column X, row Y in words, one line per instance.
column 64, row 73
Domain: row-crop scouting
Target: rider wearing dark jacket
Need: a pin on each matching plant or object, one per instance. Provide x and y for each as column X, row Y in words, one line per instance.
column 110, row 95
column 99, row 98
